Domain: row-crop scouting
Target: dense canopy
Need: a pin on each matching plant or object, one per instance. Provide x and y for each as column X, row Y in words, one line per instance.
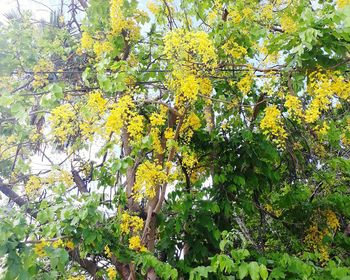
column 176, row 139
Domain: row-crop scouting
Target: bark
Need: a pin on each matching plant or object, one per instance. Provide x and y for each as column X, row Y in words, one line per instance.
column 20, row 201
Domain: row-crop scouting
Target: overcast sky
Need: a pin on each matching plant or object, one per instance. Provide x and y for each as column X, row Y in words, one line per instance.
column 38, row 7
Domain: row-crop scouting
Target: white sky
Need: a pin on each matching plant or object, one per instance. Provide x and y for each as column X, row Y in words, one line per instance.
column 36, row 6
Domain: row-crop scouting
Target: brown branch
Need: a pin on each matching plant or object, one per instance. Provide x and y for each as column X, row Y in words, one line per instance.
column 6, row 189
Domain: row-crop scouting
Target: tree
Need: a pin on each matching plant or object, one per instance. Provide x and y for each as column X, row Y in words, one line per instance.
column 186, row 140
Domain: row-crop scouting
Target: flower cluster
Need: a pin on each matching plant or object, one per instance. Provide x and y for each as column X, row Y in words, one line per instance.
column 191, row 123
column 118, row 22
column 267, row 12
column 59, row 176
column 39, row 248
column 272, row 125
column 86, row 41
column 120, row 114
column 41, row 74
column 149, row 176
column 189, row 47
column 233, row 49
column 102, row 47
column 245, row 84
column 33, row 184
column 78, row 277
column 294, row 107
column 136, row 127
column 288, row 24
column 107, row 251
column 342, row 3
column 62, row 121
column 96, row 102
column 111, row 273
column 130, row 223
column 191, row 53
column 322, row 87
column 135, row 244
column 328, row 224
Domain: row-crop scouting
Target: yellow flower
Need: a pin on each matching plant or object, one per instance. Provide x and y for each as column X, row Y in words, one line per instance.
column 102, row 47
column 153, row 7
column 235, row 16
column 322, row 87
column 135, row 244
column 39, row 248
column 108, row 251
column 136, row 127
column 189, row 160
column 86, row 41
column 267, row 12
column 272, row 125
column 233, row 49
column 131, row 223
column 62, row 121
column 58, row 243
column 70, row 245
column 169, row 133
column 294, row 108
column 342, row 3
column 118, row 22
column 245, row 84
column 79, row 277
column 156, row 142
column 157, row 119
column 112, row 273
column 40, row 72
column 288, row 24
column 149, row 176
column 191, row 123
column 120, row 114
column 96, row 102
column 247, row 12
column 33, row 184
column 182, row 46
column 322, row 131
column 332, row 220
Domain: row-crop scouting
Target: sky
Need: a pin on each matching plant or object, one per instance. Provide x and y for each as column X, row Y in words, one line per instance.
column 38, row 7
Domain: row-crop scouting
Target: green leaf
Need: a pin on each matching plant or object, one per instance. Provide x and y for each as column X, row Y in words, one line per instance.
column 263, row 272
column 243, row 270
column 254, row 270
column 57, row 91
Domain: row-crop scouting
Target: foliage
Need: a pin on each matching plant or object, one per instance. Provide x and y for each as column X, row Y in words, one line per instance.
column 176, row 140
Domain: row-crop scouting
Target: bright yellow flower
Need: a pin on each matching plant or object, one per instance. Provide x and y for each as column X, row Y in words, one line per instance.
column 33, row 184
column 288, row 24
column 96, row 102
column 272, row 125
column 58, row 243
column 149, row 176
column 112, row 273
column 108, row 251
column 342, row 3
column 233, row 49
column 135, row 244
column 39, row 248
column 120, row 114
column 136, row 127
column 294, row 107
column 86, row 41
column 245, row 84
column 131, row 223
column 70, row 245
column 118, row 22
